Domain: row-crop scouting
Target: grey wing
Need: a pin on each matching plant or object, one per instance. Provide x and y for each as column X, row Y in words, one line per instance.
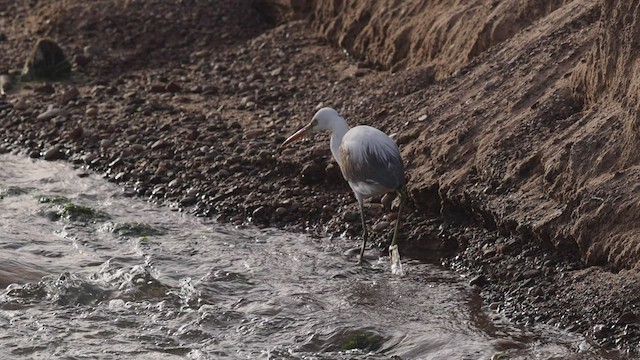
column 373, row 164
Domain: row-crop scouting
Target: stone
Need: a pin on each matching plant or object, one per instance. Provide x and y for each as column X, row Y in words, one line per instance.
column 157, row 88
column 82, row 60
column 46, row 61
column 188, row 200
column 387, row 200
column 105, row 143
column 54, row 153
column 46, row 89
column 91, row 111
column 350, row 216
column 50, row 113
column 69, row 95
column 172, row 87
column 479, row 280
column 281, row 211
column 21, row 104
column 76, row 133
column 6, row 84
column 160, row 144
column 260, row 212
column 380, row 226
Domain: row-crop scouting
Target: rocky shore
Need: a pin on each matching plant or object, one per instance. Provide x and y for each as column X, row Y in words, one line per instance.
column 520, row 176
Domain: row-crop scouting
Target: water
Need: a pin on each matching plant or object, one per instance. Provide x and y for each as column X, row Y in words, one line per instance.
column 90, row 273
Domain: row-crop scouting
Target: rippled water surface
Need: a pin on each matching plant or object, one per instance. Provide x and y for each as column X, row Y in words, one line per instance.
column 90, row 273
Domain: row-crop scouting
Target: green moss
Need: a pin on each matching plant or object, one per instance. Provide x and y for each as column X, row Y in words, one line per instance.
column 75, row 212
column 52, row 199
column 13, row 191
column 363, row 341
column 135, row 230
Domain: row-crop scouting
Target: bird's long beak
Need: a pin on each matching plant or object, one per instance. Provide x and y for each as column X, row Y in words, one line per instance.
column 296, row 136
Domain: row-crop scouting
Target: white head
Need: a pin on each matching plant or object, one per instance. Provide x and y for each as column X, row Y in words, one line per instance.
column 324, row 119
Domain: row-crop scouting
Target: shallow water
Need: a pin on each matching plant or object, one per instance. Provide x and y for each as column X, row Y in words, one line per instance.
column 90, row 273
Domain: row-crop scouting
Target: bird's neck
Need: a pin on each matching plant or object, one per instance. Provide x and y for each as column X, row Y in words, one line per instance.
column 338, row 130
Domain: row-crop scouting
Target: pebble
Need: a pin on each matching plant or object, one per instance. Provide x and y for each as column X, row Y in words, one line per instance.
column 105, row 143
column 380, row 226
column 599, row 331
column 188, row 200
column 252, row 133
column 479, row 280
column 21, row 104
column 76, row 133
column 259, row 212
column 91, row 111
column 50, row 113
column 68, row 96
column 387, row 199
column 137, row 148
column 160, row 144
column 280, row 211
column 350, row 216
column 82, row 60
column 172, row 87
column 46, row 89
column 224, row 173
column 53, row 153
column 276, row 72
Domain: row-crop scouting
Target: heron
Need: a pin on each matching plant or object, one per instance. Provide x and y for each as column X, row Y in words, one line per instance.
column 368, row 159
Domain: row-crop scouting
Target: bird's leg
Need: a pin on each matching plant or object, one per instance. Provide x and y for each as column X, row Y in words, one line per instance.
column 403, row 196
column 364, row 230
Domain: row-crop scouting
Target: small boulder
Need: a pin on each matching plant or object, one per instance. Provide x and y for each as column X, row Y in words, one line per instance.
column 46, row 61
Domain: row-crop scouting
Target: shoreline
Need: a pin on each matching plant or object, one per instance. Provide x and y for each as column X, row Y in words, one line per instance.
column 200, row 130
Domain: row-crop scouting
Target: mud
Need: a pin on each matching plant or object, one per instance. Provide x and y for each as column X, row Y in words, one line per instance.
column 517, row 121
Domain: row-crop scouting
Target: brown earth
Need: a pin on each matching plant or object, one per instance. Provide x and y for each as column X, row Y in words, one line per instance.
column 517, row 121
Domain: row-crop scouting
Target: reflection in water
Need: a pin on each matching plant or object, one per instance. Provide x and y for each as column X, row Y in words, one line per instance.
column 123, row 279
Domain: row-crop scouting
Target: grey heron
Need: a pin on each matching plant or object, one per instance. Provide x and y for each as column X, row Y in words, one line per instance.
column 368, row 159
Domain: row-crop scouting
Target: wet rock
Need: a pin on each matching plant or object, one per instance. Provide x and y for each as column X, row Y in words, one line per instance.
column 600, row 331
column 260, row 212
column 54, row 153
column 188, row 201
column 34, row 154
column 47, row 60
column 69, row 95
column 479, row 280
column 281, row 211
column 627, row 318
column 380, row 226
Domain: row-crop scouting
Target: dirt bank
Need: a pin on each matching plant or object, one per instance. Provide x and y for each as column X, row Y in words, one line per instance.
column 516, row 119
